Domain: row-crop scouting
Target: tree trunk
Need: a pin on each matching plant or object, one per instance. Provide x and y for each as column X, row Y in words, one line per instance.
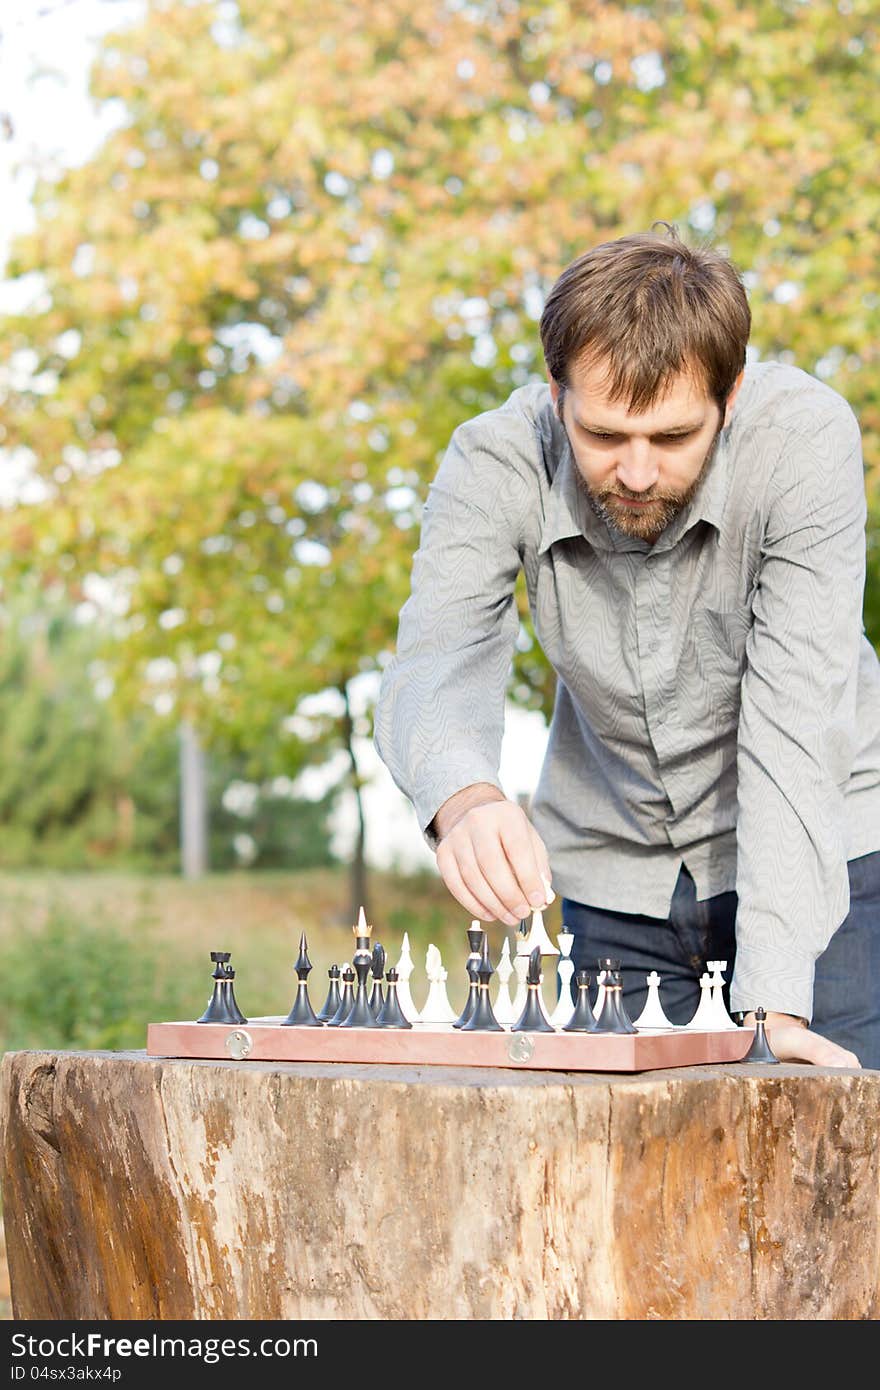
column 193, row 804
column 358, row 867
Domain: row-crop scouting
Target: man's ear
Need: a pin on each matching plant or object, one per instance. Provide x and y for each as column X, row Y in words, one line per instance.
column 557, row 394
column 728, row 409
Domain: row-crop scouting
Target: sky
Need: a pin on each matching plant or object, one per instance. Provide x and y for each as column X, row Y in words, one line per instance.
column 46, row 49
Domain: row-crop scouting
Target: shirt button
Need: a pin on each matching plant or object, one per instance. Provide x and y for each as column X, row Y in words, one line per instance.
column 653, row 645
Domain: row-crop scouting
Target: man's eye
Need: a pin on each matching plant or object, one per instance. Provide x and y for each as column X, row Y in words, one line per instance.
column 597, row 434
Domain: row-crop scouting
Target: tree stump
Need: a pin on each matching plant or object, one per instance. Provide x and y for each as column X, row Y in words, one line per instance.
column 145, row 1188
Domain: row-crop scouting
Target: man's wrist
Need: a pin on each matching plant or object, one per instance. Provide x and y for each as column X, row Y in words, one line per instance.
column 458, row 805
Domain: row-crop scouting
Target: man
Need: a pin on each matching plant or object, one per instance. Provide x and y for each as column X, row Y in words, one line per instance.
column 692, row 535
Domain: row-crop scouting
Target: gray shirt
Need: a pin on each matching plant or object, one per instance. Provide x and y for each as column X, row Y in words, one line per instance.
column 717, row 702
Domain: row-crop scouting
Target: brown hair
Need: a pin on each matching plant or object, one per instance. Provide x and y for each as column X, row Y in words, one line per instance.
column 652, row 308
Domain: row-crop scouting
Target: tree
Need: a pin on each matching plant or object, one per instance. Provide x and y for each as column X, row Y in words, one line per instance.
column 320, row 237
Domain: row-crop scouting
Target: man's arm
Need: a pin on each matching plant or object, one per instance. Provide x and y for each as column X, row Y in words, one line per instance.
column 798, row 721
column 440, row 715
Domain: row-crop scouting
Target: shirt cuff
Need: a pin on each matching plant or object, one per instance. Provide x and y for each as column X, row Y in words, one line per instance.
column 454, row 778
column 779, row 984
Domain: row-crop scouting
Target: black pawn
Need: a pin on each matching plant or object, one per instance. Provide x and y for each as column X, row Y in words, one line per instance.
column 533, row 1019
column 218, row 1010
column 231, row 1004
column 333, row 1000
column 482, row 1019
column 760, row 1050
column 582, row 1020
column 361, row 1015
column 613, row 1017
column 302, row 1015
column 346, row 1003
column 475, row 940
column 392, row 1015
column 377, row 999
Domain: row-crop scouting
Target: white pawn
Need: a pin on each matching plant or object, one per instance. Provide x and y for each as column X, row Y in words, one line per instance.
column 652, row 1015
column 565, row 969
column 404, row 968
column 538, row 937
column 521, row 966
column 437, row 1007
column 703, row 1020
column 503, row 1006
column 722, row 1020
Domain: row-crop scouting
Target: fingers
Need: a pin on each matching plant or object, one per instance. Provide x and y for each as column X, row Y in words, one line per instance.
column 794, row 1044
column 495, row 864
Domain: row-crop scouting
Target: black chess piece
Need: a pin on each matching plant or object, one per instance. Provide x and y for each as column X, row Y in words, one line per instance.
column 582, row 1020
column 361, row 1015
column 533, row 1019
column 482, row 1019
column 377, row 963
column 333, row 1000
column 392, row 1015
column 760, row 1050
column 222, row 1006
column 472, row 965
column 302, row 1015
column 346, row 1003
column 613, row 1017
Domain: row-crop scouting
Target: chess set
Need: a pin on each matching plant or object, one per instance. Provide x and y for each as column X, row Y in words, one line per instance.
column 369, row 1015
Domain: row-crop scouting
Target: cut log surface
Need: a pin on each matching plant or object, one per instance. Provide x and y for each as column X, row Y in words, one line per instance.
column 137, row 1187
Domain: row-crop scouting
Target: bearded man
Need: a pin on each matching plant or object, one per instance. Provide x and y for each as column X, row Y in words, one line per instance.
column 692, row 531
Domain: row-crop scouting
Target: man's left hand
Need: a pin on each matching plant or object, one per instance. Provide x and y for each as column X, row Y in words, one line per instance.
column 792, row 1041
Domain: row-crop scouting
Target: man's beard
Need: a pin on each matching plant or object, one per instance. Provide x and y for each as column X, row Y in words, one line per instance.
column 642, row 523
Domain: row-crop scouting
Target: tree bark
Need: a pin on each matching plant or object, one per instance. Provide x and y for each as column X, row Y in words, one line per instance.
column 193, row 804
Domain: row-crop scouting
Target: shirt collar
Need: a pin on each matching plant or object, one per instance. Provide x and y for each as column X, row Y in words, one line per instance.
column 568, row 512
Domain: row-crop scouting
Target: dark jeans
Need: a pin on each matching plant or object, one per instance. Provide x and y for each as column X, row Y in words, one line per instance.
column 847, row 991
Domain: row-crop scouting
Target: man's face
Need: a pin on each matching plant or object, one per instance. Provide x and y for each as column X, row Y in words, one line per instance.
column 639, row 470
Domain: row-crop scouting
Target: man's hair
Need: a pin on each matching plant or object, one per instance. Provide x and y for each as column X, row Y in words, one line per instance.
column 650, row 308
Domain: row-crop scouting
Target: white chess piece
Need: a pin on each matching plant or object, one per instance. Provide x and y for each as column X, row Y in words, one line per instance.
column 404, row 970
column 437, row 1007
column 652, row 1015
column 503, row 1007
column 704, row 1019
column 565, row 968
column 521, row 966
column 538, row 937
column 600, row 997
column 722, row 1020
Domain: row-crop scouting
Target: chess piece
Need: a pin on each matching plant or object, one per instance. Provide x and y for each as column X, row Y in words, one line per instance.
column 377, row 998
column 521, row 968
column 475, row 940
column 302, row 1015
column 533, row 1019
column 222, row 1006
column 582, row 1020
column 613, row 1017
column 404, row 970
column 361, row 1015
column 503, row 1003
column 482, row 1018
column 437, row 1007
column 760, row 1050
column 392, row 1015
column 538, row 936
column 652, row 1015
column 334, row 998
column 346, row 1003
column 600, row 993
column 721, row 1018
column 565, row 969
column 362, row 933
column 703, row 1020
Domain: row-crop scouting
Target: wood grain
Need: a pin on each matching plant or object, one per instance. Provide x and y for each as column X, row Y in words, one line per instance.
column 145, row 1188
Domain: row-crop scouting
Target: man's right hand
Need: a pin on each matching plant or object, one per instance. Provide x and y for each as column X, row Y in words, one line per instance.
column 490, row 857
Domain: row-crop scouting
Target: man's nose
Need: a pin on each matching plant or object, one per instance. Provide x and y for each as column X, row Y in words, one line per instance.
column 637, row 468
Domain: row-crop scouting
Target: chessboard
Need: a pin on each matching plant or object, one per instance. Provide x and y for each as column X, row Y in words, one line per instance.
column 266, row 1040
column 377, row 1021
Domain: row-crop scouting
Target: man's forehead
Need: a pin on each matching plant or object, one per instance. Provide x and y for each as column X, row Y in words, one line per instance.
column 682, row 400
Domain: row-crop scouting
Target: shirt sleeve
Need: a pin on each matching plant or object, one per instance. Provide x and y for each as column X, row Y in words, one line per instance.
column 440, row 714
column 797, row 728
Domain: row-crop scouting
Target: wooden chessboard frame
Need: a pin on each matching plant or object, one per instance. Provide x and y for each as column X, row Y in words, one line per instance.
column 265, row 1040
